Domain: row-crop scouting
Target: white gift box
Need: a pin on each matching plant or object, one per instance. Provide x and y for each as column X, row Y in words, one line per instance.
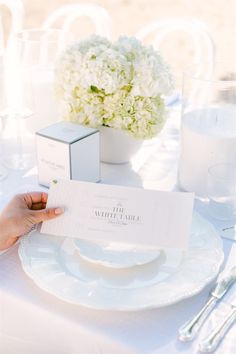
column 68, row 151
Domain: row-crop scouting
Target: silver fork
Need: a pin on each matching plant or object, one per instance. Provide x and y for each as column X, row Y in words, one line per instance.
column 189, row 330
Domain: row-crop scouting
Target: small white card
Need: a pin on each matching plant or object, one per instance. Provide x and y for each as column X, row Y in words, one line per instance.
column 111, row 213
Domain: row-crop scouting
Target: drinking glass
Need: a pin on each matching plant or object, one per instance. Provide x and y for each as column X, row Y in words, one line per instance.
column 221, row 189
column 17, row 143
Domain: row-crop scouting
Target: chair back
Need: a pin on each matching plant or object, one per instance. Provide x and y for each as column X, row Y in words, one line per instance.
column 198, row 33
column 16, row 10
column 67, row 14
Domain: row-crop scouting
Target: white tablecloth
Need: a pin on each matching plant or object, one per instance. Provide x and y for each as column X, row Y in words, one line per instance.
column 34, row 322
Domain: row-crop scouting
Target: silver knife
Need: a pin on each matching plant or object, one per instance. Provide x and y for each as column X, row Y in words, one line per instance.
column 211, row 341
column 189, row 330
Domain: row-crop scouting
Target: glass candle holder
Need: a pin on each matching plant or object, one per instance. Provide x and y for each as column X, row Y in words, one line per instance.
column 32, row 82
column 208, row 129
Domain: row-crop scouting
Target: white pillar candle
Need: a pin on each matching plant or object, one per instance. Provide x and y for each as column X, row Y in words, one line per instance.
column 39, row 97
column 207, row 137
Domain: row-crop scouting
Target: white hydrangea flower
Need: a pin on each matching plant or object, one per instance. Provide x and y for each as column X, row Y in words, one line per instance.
column 118, row 85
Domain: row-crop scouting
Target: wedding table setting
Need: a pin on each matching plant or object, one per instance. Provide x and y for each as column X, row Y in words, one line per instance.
column 143, row 258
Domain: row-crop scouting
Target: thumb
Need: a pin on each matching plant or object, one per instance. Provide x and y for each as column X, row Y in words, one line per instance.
column 47, row 214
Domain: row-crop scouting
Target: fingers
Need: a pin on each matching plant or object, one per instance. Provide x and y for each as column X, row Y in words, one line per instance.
column 47, row 214
column 32, row 198
column 38, row 206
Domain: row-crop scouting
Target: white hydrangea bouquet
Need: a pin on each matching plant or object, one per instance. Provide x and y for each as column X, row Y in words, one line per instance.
column 119, row 85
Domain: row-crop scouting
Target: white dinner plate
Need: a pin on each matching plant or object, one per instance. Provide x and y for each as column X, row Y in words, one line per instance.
column 56, row 266
column 114, row 255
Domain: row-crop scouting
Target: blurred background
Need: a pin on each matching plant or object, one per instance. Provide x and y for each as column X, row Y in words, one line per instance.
column 128, row 16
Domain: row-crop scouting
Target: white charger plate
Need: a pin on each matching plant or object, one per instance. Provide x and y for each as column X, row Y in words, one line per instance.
column 55, row 265
column 114, row 255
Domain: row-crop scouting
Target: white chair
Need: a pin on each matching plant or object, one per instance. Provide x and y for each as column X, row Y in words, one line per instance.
column 200, row 38
column 69, row 13
column 16, row 9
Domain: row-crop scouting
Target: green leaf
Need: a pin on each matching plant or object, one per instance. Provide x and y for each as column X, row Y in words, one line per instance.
column 94, row 89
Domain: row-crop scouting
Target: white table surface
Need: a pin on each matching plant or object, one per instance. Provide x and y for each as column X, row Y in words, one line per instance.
column 34, row 322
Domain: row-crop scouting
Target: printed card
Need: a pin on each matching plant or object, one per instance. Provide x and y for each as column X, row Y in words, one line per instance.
column 119, row 214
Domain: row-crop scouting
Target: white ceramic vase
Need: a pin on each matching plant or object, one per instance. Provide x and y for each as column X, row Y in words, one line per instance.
column 116, row 146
